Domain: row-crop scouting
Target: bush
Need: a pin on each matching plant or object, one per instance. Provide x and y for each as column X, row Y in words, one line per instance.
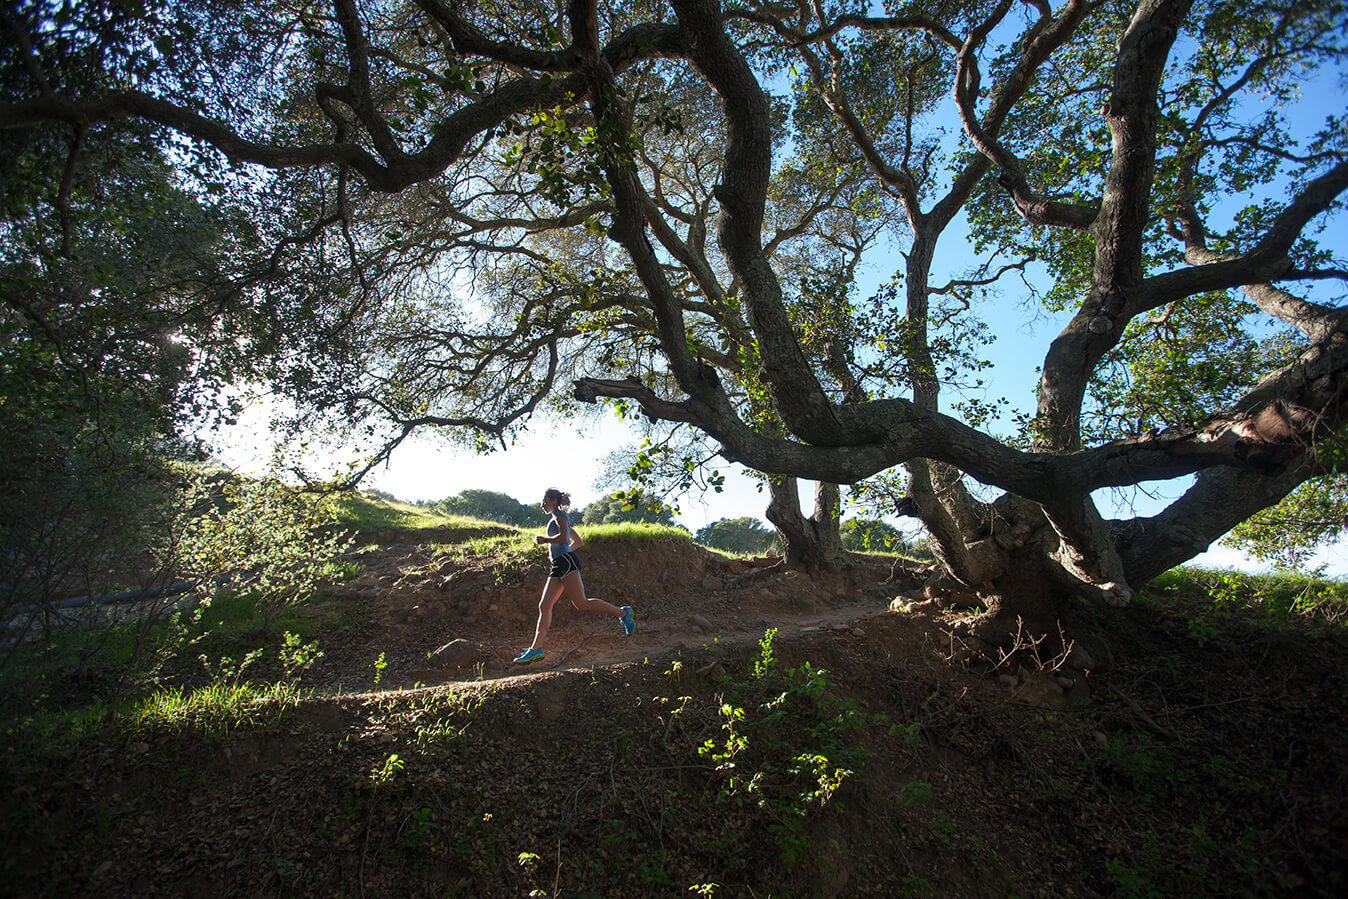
column 489, row 505
column 737, row 535
column 619, row 507
column 872, row 535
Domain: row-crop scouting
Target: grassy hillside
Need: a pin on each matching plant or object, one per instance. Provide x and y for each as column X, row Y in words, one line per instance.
column 851, row 758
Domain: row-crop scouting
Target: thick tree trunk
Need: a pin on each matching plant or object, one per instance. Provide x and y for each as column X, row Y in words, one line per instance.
column 814, row 543
column 1034, row 607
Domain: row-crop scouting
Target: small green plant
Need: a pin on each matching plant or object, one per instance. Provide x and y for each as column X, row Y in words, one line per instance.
column 1129, row 882
column 910, row 735
column 439, row 734
column 765, row 664
column 815, row 766
column 419, row 830
column 943, row 829
column 913, row 793
column 379, row 665
column 296, row 656
column 785, row 746
column 225, row 670
column 384, row 773
column 1201, row 630
column 653, row 875
column 1177, row 864
column 529, row 862
column 913, row 885
column 1146, row 772
column 733, row 743
column 704, row 889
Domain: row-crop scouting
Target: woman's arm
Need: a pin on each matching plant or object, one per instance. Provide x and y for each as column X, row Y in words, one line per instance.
column 576, row 541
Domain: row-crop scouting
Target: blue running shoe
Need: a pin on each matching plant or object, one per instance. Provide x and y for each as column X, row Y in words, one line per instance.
column 628, row 623
column 529, row 655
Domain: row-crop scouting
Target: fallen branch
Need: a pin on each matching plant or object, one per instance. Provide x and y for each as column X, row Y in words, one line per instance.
column 1142, row 713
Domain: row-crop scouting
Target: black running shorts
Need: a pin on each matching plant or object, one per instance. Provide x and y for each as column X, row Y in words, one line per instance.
column 564, row 565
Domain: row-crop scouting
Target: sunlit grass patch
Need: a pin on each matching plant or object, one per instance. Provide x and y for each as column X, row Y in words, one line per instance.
column 729, row 553
column 215, row 709
column 340, row 571
column 365, row 513
column 1273, row 599
column 631, row 532
column 914, row 558
column 507, row 553
column 497, row 544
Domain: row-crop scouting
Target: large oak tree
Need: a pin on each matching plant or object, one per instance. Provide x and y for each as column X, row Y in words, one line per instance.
column 666, row 205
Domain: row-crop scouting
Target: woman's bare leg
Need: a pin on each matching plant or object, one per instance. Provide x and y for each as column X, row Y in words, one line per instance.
column 575, row 590
column 552, row 591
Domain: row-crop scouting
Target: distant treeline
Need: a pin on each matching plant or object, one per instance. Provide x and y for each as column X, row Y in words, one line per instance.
column 490, row 505
column 739, row 535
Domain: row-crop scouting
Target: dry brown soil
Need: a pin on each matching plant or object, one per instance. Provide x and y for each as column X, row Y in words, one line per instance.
column 682, row 596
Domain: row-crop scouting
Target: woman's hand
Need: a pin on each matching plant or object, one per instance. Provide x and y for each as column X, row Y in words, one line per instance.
column 539, row 539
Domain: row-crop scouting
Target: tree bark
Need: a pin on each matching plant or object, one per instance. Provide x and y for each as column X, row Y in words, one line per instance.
column 815, row 543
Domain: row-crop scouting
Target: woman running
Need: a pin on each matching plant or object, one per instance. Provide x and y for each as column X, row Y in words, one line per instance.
column 565, row 575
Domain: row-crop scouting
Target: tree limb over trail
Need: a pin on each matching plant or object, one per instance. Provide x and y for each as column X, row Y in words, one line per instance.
column 475, row 204
column 588, row 390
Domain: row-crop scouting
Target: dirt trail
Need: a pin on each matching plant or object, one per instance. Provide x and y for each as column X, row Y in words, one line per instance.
column 412, row 605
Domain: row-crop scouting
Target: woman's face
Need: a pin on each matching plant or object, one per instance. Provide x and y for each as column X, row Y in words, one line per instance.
column 549, row 505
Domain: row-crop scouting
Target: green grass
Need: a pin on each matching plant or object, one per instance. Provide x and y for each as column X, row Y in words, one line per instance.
column 890, row 556
column 214, row 711
column 509, row 553
column 354, row 509
column 76, row 671
column 365, row 513
column 1276, row 600
column 729, row 554
column 511, row 550
column 514, row 542
column 631, row 532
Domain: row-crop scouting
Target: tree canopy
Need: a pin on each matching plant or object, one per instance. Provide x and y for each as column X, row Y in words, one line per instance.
column 110, row 275
column 619, row 507
column 736, row 535
column 872, row 535
column 479, row 208
column 490, row 505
